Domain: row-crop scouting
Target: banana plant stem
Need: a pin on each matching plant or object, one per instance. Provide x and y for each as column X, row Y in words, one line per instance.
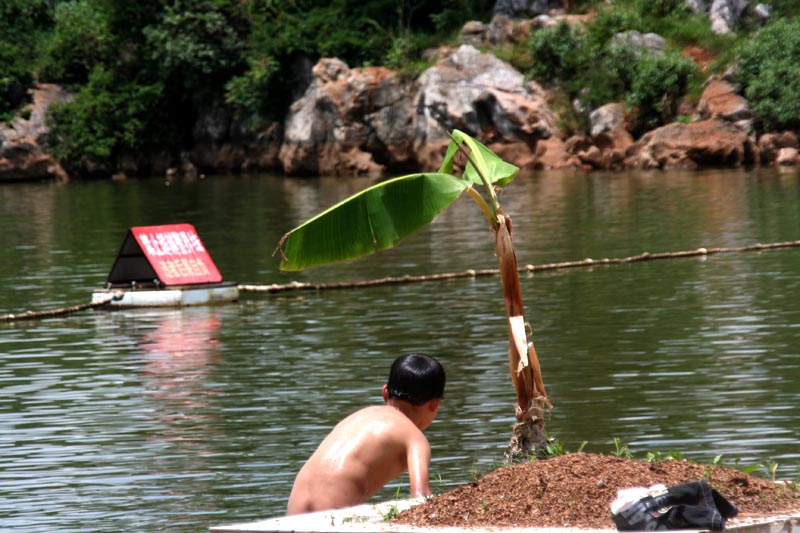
column 487, row 211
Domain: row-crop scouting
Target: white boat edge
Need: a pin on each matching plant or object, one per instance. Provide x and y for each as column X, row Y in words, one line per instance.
column 169, row 297
column 371, row 518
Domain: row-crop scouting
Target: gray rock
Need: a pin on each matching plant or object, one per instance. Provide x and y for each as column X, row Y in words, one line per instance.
column 771, row 144
column 720, row 99
column 473, row 33
column 477, row 93
column 787, row 156
column 499, row 30
column 543, row 21
column 724, row 14
column 651, row 42
column 23, row 141
column 607, row 118
column 370, row 120
column 762, row 11
column 34, row 126
column 698, row 6
column 346, row 121
column 711, row 142
column 212, row 124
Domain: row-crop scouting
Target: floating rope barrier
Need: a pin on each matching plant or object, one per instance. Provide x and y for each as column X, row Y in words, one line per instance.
column 31, row 315
column 298, row 286
column 646, row 256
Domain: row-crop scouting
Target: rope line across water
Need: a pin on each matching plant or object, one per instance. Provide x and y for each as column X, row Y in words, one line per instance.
column 30, row 315
column 646, row 256
column 298, row 286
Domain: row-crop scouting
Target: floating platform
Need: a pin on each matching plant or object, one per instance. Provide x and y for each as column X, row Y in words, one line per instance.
column 175, row 296
column 164, row 266
column 367, row 518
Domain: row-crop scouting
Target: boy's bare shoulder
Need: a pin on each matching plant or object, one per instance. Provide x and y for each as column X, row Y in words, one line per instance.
column 378, row 417
column 380, row 412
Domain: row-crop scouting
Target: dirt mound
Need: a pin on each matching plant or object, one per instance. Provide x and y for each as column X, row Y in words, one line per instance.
column 576, row 490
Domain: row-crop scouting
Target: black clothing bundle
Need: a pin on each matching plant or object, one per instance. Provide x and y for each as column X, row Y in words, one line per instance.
column 692, row 505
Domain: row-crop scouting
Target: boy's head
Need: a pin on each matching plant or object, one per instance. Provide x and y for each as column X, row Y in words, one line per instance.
column 416, row 378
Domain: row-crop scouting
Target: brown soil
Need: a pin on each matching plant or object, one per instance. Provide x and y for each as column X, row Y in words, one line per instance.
column 576, row 490
column 702, row 58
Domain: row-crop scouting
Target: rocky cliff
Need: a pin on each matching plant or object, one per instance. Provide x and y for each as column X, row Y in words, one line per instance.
column 374, row 121
column 23, row 144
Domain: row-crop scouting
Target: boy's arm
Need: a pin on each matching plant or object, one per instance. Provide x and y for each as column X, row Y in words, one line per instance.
column 419, row 460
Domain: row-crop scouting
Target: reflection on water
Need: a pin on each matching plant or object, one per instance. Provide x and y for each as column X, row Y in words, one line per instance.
column 92, row 426
column 178, row 359
column 149, row 420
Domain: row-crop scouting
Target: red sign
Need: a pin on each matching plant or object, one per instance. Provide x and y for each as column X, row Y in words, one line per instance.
column 177, row 254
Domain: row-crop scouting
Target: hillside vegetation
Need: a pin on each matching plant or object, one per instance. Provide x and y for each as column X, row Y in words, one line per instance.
column 143, row 72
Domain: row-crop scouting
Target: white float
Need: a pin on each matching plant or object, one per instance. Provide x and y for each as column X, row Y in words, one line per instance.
column 164, row 266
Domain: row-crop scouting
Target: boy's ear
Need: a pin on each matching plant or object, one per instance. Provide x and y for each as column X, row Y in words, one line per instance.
column 385, row 392
column 434, row 404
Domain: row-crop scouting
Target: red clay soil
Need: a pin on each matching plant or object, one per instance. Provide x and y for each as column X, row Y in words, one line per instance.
column 576, row 490
column 702, row 58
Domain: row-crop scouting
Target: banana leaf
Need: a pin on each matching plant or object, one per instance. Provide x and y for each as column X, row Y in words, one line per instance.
column 374, row 219
column 493, row 168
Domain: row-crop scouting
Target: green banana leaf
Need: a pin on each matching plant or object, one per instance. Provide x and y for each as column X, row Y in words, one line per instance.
column 372, row 220
column 493, row 168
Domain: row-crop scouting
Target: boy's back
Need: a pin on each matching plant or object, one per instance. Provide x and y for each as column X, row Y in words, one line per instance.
column 362, row 453
column 372, row 446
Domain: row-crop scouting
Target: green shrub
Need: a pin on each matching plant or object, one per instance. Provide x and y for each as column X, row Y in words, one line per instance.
column 657, row 85
column 610, row 20
column 23, row 24
column 660, row 8
column 405, row 55
column 23, row 21
column 672, row 19
column 399, row 53
column 80, row 40
column 15, row 76
column 107, row 117
column 785, row 8
column 286, row 29
column 613, row 77
column 198, row 49
column 693, row 30
column 584, row 6
column 558, row 52
column 770, row 74
column 247, row 91
column 451, row 15
column 593, row 69
column 650, row 84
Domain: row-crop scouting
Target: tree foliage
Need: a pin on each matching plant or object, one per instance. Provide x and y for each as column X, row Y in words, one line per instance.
column 143, row 72
column 594, row 65
column 360, row 33
column 23, row 25
column 770, row 74
column 80, row 39
column 656, row 86
column 148, row 69
column 161, row 64
column 108, row 117
column 198, row 45
column 559, row 52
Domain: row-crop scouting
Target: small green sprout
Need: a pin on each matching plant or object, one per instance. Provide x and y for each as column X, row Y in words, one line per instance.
column 621, row 450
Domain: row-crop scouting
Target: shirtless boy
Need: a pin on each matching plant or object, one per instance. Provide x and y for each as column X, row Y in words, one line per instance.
column 374, row 445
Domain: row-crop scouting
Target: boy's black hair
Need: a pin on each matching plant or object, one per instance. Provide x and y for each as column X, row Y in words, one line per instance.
column 416, row 378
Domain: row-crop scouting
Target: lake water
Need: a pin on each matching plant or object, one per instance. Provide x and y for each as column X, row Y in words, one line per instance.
column 175, row 420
